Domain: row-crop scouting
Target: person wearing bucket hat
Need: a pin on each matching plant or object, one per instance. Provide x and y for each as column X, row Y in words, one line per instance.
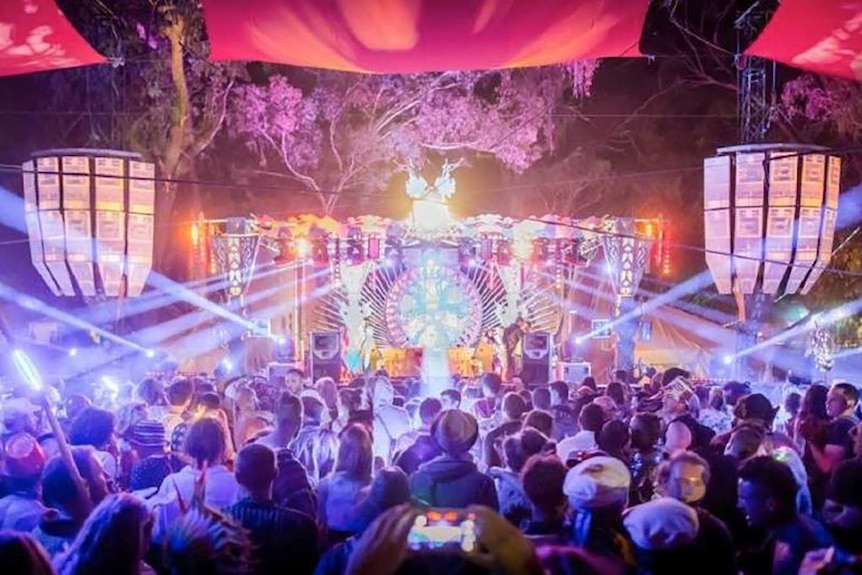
column 598, row 491
column 22, row 466
column 452, row 479
column 663, row 532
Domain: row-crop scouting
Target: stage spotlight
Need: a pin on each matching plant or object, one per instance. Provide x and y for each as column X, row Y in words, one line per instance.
column 73, row 352
column 579, row 340
column 27, row 369
column 727, row 359
column 150, row 353
column 303, row 248
column 110, row 385
column 609, row 268
column 227, row 365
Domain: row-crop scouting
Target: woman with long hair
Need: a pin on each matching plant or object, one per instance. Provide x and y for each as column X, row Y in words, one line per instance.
column 811, row 427
column 339, row 492
column 20, row 554
column 114, row 540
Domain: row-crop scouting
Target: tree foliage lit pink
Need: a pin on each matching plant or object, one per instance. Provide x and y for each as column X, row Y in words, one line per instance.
column 350, row 133
column 826, row 104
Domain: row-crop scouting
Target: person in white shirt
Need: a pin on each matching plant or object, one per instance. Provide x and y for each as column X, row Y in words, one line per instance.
column 390, row 421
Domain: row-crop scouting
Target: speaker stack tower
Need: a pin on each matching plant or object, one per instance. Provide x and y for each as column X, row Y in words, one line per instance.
column 536, row 359
column 325, row 356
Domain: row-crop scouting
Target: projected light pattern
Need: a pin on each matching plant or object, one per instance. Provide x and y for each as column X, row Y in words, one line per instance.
column 435, row 307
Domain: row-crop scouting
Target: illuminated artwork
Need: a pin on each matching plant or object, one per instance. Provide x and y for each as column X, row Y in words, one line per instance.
column 433, row 307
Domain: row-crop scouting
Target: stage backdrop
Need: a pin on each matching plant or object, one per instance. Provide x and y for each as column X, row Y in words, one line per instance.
column 35, row 36
column 401, row 36
column 822, row 36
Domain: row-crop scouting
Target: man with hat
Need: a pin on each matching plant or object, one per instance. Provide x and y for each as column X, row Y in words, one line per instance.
column 23, row 462
column 152, row 462
column 452, row 480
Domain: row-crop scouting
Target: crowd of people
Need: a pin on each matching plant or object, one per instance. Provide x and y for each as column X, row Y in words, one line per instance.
column 194, row 474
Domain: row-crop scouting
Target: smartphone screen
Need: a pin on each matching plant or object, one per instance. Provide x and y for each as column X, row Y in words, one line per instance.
column 443, row 530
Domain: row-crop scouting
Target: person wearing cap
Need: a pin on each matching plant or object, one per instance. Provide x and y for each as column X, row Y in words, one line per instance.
column 663, row 532
column 152, row 462
column 23, row 462
column 452, row 480
column 837, row 444
column 598, row 492
column 285, row 541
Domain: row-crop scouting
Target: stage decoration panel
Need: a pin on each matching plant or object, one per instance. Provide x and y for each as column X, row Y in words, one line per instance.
column 408, row 36
column 35, row 37
column 432, row 306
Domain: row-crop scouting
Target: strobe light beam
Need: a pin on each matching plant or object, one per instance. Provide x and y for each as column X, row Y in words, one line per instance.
column 27, row 369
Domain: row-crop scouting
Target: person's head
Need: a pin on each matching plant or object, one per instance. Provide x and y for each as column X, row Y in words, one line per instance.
column 616, row 391
column 114, row 538
column 513, row 407
column 20, row 554
column 129, row 414
column 288, row 413
column 93, row 426
column 429, row 409
column 328, row 390
column 180, row 393
column 613, row 438
column 542, row 477
column 767, row 492
column 206, row 402
column 152, row 392
column 590, row 383
column 491, row 384
column 355, row 458
column 313, row 410
column 541, row 421
column 842, row 510
column 598, row 483
column 745, row 442
column 645, row 431
column 294, row 379
column 793, row 403
column 559, row 392
column 733, row 391
column 659, row 527
column 22, row 464
column 389, row 488
column 814, row 402
column 684, row 477
column 455, row 432
column 75, row 404
column 715, row 400
column 382, row 391
column 59, row 490
column 255, row 470
column 541, row 397
column 205, row 442
column 842, row 398
column 450, row 399
column 755, row 407
column 592, row 418
column 521, row 446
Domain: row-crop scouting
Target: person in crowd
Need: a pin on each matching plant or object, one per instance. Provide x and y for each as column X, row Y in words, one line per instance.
column 152, row 461
column 291, row 488
column 151, row 391
column 793, row 461
column 591, row 420
column 450, row 399
column 685, row 478
column 713, row 413
column 680, row 411
column 842, row 511
column 645, row 431
column 419, row 447
column 294, row 381
column 327, row 389
column 517, row 449
column 69, row 504
column 114, row 539
column 130, row 414
column 72, row 406
column 20, row 554
column 180, row 394
column 767, row 497
column 203, row 540
column 597, row 490
column 565, row 418
column 486, row 408
column 22, row 465
column 614, row 440
column 288, row 421
column 755, row 410
column 541, row 398
column 733, row 391
column 512, row 410
column 837, row 444
column 811, row 429
column 452, row 480
column 663, row 532
column 283, row 540
column 205, row 447
column 95, row 427
column 539, row 420
column 543, row 477
column 339, row 492
column 389, row 489
column 790, row 414
column 315, row 445
column 390, row 421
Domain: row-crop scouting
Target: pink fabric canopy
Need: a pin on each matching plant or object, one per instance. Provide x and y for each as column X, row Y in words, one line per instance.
column 403, row 36
column 824, row 37
column 35, row 36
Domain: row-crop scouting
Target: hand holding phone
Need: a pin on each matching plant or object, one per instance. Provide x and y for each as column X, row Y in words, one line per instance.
column 444, row 530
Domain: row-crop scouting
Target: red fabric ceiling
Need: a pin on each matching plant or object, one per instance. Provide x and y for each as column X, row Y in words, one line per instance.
column 35, row 36
column 824, row 37
column 402, row 36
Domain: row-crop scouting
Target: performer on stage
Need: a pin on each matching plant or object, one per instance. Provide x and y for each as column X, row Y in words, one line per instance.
column 369, row 353
column 512, row 337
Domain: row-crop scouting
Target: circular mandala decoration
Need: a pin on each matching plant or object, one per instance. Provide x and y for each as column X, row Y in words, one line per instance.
column 433, row 306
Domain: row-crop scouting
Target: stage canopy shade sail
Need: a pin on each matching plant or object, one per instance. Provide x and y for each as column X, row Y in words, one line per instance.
column 405, row 36
column 35, row 36
column 823, row 37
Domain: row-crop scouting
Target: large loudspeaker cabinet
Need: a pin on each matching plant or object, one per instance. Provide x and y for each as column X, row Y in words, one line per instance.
column 536, row 360
column 325, row 356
